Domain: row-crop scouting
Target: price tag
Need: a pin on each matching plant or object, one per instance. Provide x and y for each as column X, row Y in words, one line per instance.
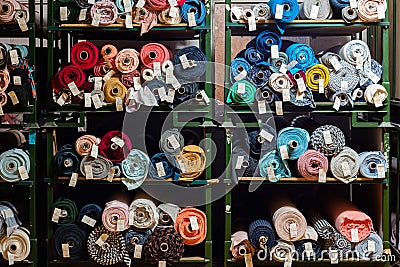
column 137, row 254
column 131, row 218
column 120, row 224
column 65, row 250
column 271, row 174
column 293, row 230
column 308, row 249
column 241, row 75
column 96, row 19
column 108, row 75
column 241, row 88
column 157, row 69
column 359, row 62
column 140, row 3
column 335, row 63
column 22, row 24
column 334, row 256
column 299, row 96
column 23, row 173
column 301, row 85
column 128, row 21
column 373, row 77
column 205, row 97
column 127, row 6
column 353, row 3
column 193, row 223
column 1, row 111
column 11, row 258
column 170, row 96
column 237, row 12
column 89, row 221
column 160, row 169
column 381, row 11
column 173, row 142
column 88, row 100
column 63, row 13
column 14, row 57
column 174, row 82
column 262, row 107
column 184, row 61
column 88, row 171
column 327, row 137
column 279, row 12
column 336, row 104
column 284, row 68
column 96, row 101
column 56, row 215
column 110, row 175
column 346, row 170
column 91, row 2
column 284, row 152
column 239, row 162
column 74, row 89
column 162, row 264
column 14, row 98
column 162, row 94
column 95, row 151
column 173, row 12
column 354, row 235
column 252, row 24
column 266, row 135
column 17, row 80
column 136, row 83
column 314, row 12
column 344, row 85
column 118, row 104
column 279, row 108
column 82, row 14
column 274, row 51
column 321, row 87
column 371, row 246
column 73, row 180
column 1, row 54
column 118, row 141
column 381, row 170
column 292, row 64
column 103, row 238
column 321, row 176
column 288, row 261
column 285, row 95
column 191, row 19
column 248, row 260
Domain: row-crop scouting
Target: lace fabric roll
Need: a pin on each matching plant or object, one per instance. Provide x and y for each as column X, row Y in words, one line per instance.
column 111, row 252
column 319, row 144
column 167, row 214
column 165, row 18
column 324, row 11
column 314, row 74
column 115, row 210
column 9, row 220
column 194, row 160
column 345, row 165
column 238, row 65
column 198, row 8
column 84, row 55
column 261, row 234
column 66, row 161
column 303, row 54
column 10, row 161
column 253, row 56
column 273, row 160
column 196, row 58
column 368, row 9
column 240, row 245
column 183, row 226
column 265, row 40
column 349, row 14
column 83, row 144
column 4, row 80
column 72, row 235
column 363, row 247
column 295, row 139
column 375, row 94
column 108, row 12
column 262, row 11
column 167, row 139
column 17, row 244
column 163, row 244
column 112, row 89
column 309, row 164
column 169, row 168
column 100, row 166
column 369, row 162
column 283, row 250
column 239, row 96
column 290, row 12
column 135, row 168
column 305, row 254
column 127, row 60
column 93, row 211
column 154, row 52
column 115, row 145
column 279, row 81
column 68, row 208
column 143, row 213
column 276, row 63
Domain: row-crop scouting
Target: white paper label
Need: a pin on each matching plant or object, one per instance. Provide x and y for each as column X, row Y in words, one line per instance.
column 157, row 69
column 103, row 238
column 321, row 176
column 354, row 95
column 193, row 223
column 374, row 78
column 353, row 3
column 14, row 57
column 14, row 98
column 17, row 80
column 377, row 101
column 336, row 104
column 23, row 173
column 160, row 169
column 308, row 249
column 381, row 11
column 170, row 96
column 1, row 54
column 88, row 100
column 118, row 104
column 11, row 258
column 96, row 20
column 371, row 246
column 82, row 14
column 252, row 24
column 354, row 235
column 335, row 63
column 293, row 230
column 285, row 95
column 140, row 3
column 127, row 6
column 248, row 260
column 191, row 19
column 74, row 89
column 321, row 87
column 327, row 137
column 120, row 224
column 239, row 162
column 284, row 152
column 56, row 215
column 241, row 88
column 131, row 220
column 118, row 141
column 184, row 61
column 108, row 75
column 88, row 171
column 61, row 100
column 95, row 151
column 1, row 111
column 73, row 180
column 173, row 12
column 237, row 12
column 345, row 168
column 271, row 174
column 91, row 2
column 284, row 68
column 344, row 85
column 262, row 107
column 266, row 135
column 292, row 64
column 173, row 142
column 274, row 51
column 279, row 108
column 381, row 170
column 162, row 264
column 359, row 62
column 128, row 21
column 162, row 94
column 301, row 85
column 334, row 256
column 96, row 101
column 22, row 24
column 65, row 250
column 288, row 261
column 299, row 96
column 279, row 12
column 314, row 12
column 89, row 221
column 241, row 75
column 63, row 13
column 205, row 97
column 137, row 254
column 110, row 175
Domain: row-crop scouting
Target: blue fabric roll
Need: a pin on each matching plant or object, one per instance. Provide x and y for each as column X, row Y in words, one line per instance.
column 290, row 12
column 237, row 66
column 169, row 168
column 376, row 69
column 276, row 63
column 301, row 249
column 193, row 53
column 66, row 161
column 93, row 211
column 135, row 168
column 280, row 167
column 369, row 161
column 258, row 230
column 73, row 235
column 253, row 56
column 265, row 40
column 338, row 5
column 295, row 139
column 200, row 11
column 135, row 237
column 259, row 75
column 10, row 161
column 303, row 54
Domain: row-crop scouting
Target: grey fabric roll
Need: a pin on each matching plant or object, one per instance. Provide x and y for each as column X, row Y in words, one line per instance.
column 324, row 12
column 326, row 57
column 262, row 12
column 349, row 14
column 345, row 97
column 349, row 156
column 165, row 144
column 373, row 254
column 100, row 166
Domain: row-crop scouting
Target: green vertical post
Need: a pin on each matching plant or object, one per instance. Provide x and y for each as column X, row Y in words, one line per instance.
column 228, row 198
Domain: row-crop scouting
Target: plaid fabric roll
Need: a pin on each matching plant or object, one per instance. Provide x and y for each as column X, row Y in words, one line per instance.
column 9, row 221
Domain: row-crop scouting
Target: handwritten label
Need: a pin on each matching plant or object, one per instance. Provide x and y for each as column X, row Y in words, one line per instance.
column 11, row 258
column 157, row 69
column 239, row 162
column 137, row 254
column 63, row 13
column 120, row 224
column 74, row 89
column 170, row 96
column 56, row 215
column 271, row 174
column 359, row 62
column 373, row 77
column 321, row 86
column 314, row 12
column 301, row 85
column 284, row 68
column 110, row 175
column 334, row 256
column 65, row 250
column 335, row 63
column 274, row 51
column 321, row 176
column 285, row 95
column 14, row 98
column 108, row 75
column 88, row 171
column 94, row 152
column 252, row 23
column 345, row 168
column 248, row 260
column 173, row 142
column 160, row 169
column 14, row 57
column 128, row 21
column 381, row 170
column 205, row 97
column 381, row 11
column 353, row 3
column 336, row 104
column 173, row 12
column 162, row 94
column 293, row 230
column 184, row 61
column 96, row 101
column 308, row 249
column 118, row 141
column 89, row 221
column 82, row 14
column 103, row 238
column 279, row 108
column 292, row 64
column 278, row 11
column 262, row 107
column 344, row 85
column 241, row 88
column 140, row 3
column 193, row 223
column 371, row 246
column 88, row 100
column 127, row 5
column 73, row 180
column 288, row 261
column 118, row 104
column 327, row 137
column 266, row 135
column 191, row 19
column 96, row 19
column 354, row 235
column 23, row 173
column 162, row 264
column 284, row 152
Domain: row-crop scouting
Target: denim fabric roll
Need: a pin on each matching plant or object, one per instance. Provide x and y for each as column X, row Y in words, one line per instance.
column 135, row 169
column 338, row 5
column 9, row 221
column 135, row 237
column 305, row 254
column 259, row 75
column 92, row 211
column 199, row 11
column 170, row 170
column 295, row 139
column 290, row 12
column 261, row 234
column 72, row 235
column 265, row 40
column 303, row 54
column 249, row 164
column 369, row 162
column 375, row 253
column 273, row 160
column 193, row 55
column 253, row 56
column 68, row 208
column 66, row 161
column 276, row 63
column 187, row 92
column 10, row 161
column 238, row 65
column 244, row 97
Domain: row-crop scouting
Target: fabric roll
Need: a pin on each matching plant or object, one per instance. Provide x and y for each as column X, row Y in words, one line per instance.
column 72, row 235
column 110, row 148
column 324, row 11
column 240, row 245
column 338, row 5
column 112, row 89
column 66, row 75
column 253, row 56
column 357, row 49
column 9, row 221
column 3, row 99
column 100, row 166
column 273, row 160
column 305, row 122
column 314, row 74
column 158, row 4
column 113, row 211
column 365, row 253
column 326, row 58
column 103, row 66
column 109, row 51
column 167, row 146
column 309, row 255
column 368, row 9
column 309, row 164
column 259, row 145
column 324, row 229
column 259, row 75
column 349, row 14
column 246, row 97
column 276, row 63
column 262, row 11
column 290, row 12
column 298, row 75
column 135, row 237
column 163, row 244
column 121, row 7
column 197, row 60
column 82, row 4
column 305, row 99
column 4, row 80
column 7, row 13
column 340, row 243
column 184, row 226
column 319, row 144
column 248, row 166
column 187, row 91
column 261, row 234
column 135, row 168
column 295, row 139
column 265, row 40
column 147, row 18
column 194, row 160
column 66, row 161
column 127, row 60
column 369, row 162
column 165, row 18
column 310, row 234
column 111, row 252
column 267, row 95
column 303, row 54
column 345, row 97
column 283, row 250
column 198, row 8
column 10, row 161
column 68, row 208
column 143, row 213
column 279, row 82
column 127, row 79
column 345, row 156
column 346, row 216
column 377, row 69
column 238, row 65
column 18, row 244
column 169, row 168
column 83, row 144
column 108, row 12
column 84, row 55
column 375, row 94
column 154, row 52
column 93, row 211
column 167, row 214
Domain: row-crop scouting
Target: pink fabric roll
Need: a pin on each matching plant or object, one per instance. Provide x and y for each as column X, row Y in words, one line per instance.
column 113, row 211
column 127, row 78
column 240, row 245
column 309, row 164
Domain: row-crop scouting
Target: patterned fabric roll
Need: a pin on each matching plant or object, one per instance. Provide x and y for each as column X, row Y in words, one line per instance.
column 261, row 234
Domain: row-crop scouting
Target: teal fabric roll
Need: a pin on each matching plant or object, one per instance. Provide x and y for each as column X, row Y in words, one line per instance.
column 280, row 167
column 241, row 98
column 295, row 139
column 10, row 161
column 135, row 168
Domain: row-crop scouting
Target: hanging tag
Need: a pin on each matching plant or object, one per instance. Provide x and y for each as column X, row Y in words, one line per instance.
column 327, row 137
column 278, row 11
column 353, row 3
column 82, row 14
column 157, row 69
column 118, row 104
column 14, row 98
column 301, row 85
column 239, row 162
column 136, row 83
column 73, row 180
column 314, row 12
column 89, row 221
column 120, row 224
column 175, row 83
column 108, row 75
column 96, row 101
column 288, row 261
column 65, row 250
column 241, row 75
column 274, row 51
column 285, row 95
column 252, row 24
column 56, row 215
column 173, row 142
column 334, row 256
column 1, row 111
column 14, row 57
column 131, row 218
column 299, row 96
column 74, row 89
column 184, row 61
column 103, row 238
column 359, row 62
column 170, row 96
column 321, row 176
column 248, row 260
column 381, row 11
column 335, row 63
column 127, row 6
column 336, row 104
column 266, row 135
column 22, row 24
column 279, row 108
column 354, row 235
column 373, row 77
column 137, row 254
column 321, row 87
column 128, row 21
column 377, row 101
column 292, row 64
column 162, row 94
column 284, row 68
column 162, row 264
column 89, row 171
column 11, row 258
column 284, row 152
column 381, row 170
column 237, row 12
column 17, row 80
column 309, row 249
column 191, row 19
column 205, row 97
column 95, row 151
column 118, row 141
column 346, row 169
column 96, row 19
column 160, row 169
column 91, row 2
column 193, row 223
column 23, row 173
column 241, row 88
column 110, row 175
column 262, row 107
column 140, row 3
column 88, row 100
column 293, row 230
column 173, row 12
column 271, row 174
column 344, row 85
column 371, row 246
column 63, row 13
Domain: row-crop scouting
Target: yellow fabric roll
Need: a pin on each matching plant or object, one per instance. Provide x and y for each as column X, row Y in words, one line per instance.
column 112, row 89
column 315, row 73
column 193, row 160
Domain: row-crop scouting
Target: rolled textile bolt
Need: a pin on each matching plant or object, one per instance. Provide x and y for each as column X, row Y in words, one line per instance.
column 293, row 144
column 242, row 250
column 164, row 247
column 266, row 94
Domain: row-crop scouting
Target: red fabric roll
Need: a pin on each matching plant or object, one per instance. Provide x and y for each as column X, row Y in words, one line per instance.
column 310, row 163
column 66, row 75
column 101, row 68
column 84, row 55
column 158, row 4
column 127, row 78
column 154, row 52
column 111, row 150
column 294, row 76
column 86, row 87
column 181, row 2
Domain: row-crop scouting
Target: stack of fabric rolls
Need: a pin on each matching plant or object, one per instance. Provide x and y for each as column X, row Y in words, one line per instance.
column 129, row 77
column 14, row 12
column 120, row 233
column 270, row 70
column 17, row 86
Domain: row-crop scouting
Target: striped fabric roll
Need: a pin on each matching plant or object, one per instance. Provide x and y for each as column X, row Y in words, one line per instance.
column 261, row 234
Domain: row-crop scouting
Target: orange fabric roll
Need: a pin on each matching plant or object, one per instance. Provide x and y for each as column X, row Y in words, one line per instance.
column 83, row 144
column 109, row 51
column 186, row 220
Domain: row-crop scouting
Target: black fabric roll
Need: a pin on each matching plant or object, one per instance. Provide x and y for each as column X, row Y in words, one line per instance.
column 301, row 249
column 72, row 235
column 135, row 237
column 305, row 122
column 22, row 92
column 261, row 234
column 66, row 160
column 93, row 211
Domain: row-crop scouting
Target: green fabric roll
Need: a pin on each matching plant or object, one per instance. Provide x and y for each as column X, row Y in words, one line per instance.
column 68, row 208
column 243, row 98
